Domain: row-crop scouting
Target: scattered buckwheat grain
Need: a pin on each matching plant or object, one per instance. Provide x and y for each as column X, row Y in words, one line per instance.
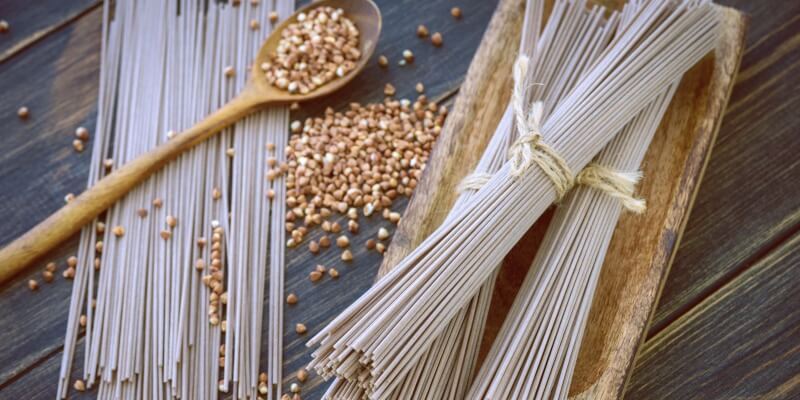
column 422, row 31
column 51, row 267
column 383, row 62
column 118, row 231
column 82, row 133
column 389, row 90
column 436, row 39
column 302, row 375
column 383, row 234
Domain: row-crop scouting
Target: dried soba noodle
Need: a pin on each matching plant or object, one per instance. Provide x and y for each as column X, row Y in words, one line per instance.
column 573, row 38
column 148, row 332
column 377, row 341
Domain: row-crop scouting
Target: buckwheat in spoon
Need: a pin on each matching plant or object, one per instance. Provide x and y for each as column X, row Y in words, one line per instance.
column 286, row 70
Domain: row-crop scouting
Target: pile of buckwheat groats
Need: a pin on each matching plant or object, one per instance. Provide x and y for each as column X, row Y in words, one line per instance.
column 359, row 159
column 320, row 47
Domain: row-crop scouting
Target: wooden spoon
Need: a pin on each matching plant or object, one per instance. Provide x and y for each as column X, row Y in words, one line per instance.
column 256, row 94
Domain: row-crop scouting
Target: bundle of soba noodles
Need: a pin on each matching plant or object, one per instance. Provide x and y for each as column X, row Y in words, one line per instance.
column 535, row 351
column 377, row 341
column 572, row 40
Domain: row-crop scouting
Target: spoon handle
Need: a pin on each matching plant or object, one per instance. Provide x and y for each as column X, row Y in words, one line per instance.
column 96, row 199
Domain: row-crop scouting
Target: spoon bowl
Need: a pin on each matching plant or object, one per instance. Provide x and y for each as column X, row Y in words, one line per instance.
column 364, row 14
column 256, row 94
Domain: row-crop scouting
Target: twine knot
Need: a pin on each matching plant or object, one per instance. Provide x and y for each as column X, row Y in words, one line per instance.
column 530, row 149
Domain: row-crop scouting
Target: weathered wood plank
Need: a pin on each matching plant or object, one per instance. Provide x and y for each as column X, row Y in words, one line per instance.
column 750, row 199
column 30, row 21
column 40, row 383
column 481, row 104
column 57, row 79
column 740, row 342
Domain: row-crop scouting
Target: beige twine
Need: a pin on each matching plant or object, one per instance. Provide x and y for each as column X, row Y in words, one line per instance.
column 619, row 185
column 529, row 149
column 474, row 181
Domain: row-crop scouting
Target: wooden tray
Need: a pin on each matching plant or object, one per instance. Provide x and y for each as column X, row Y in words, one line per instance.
column 642, row 247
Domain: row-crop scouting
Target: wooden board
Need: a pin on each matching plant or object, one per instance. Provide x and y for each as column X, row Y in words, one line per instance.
column 739, row 343
column 750, row 199
column 643, row 246
column 41, row 166
column 30, row 21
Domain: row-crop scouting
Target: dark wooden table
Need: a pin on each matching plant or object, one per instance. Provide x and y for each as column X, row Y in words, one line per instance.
column 728, row 322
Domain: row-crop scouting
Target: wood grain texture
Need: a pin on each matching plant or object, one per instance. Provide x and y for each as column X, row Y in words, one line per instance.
column 38, row 168
column 750, row 199
column 57, row 80
column 40, row 383
column 642, row 248
column 480, row 105
column 741, row 342
column 31, row 21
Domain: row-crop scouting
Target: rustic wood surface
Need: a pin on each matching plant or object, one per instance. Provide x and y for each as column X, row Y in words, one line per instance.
column 481, row 102
column 727, row 323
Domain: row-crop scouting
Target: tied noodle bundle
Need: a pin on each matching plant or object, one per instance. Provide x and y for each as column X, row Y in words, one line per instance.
column 158, row 323
column 537, row 347
column 574, row 36
column 377, row 341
